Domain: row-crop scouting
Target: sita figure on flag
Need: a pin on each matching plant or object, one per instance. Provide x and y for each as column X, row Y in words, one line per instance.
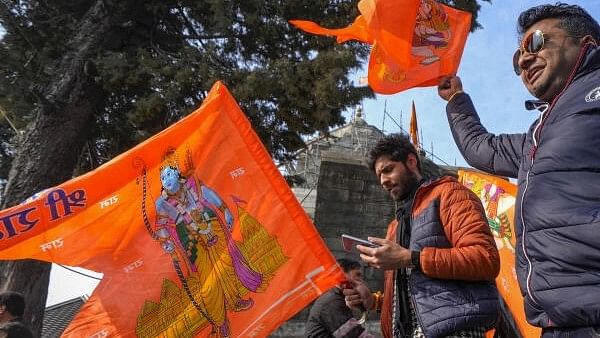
column 193, row 224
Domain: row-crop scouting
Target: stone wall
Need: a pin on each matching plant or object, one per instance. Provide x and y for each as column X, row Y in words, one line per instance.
column 349, row 200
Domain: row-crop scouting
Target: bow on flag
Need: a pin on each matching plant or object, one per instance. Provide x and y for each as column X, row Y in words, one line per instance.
column 415, row 42
column 195, row 230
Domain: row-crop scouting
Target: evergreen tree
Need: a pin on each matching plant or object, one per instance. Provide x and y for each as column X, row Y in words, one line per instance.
column 85, row 80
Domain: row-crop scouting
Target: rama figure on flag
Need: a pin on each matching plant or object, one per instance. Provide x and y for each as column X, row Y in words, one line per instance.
column 194, row 226
column 499, row 207
column 497, row 196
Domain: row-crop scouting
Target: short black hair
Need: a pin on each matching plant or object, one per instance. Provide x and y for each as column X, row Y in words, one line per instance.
column 14, row 302
column 397, row 146
column 573, row 19
column 348, row 264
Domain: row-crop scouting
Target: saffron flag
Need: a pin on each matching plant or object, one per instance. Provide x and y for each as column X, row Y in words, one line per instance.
column 392, row 23
column 355, row 31
column 414, row 128
column 498, row 198
column 415, row 42
column 195, row 230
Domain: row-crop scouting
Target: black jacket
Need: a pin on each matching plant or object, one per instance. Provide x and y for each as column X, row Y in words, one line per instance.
column 557, row 214
column 330, row 317
column 15, row 329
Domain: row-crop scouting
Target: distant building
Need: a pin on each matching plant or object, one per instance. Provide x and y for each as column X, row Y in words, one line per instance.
column 57, row 317
column 342, row 196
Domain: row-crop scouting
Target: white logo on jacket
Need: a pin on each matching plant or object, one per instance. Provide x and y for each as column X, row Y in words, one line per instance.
column 593, row 95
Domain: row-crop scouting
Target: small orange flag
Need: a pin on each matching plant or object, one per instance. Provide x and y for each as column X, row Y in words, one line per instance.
column 414, row 128
column 498, row 198
column 391, row 22
column 196, row 232
column 415, row 42
column 440, row 34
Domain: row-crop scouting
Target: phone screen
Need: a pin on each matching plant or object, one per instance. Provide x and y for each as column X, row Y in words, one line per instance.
column 349, row 242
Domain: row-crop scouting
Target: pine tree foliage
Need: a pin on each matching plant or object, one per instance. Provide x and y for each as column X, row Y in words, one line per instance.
column 159, row 60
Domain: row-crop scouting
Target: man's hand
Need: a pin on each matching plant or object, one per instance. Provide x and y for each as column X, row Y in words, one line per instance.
column 388, row 256
column 449, row 85
column 358, row 296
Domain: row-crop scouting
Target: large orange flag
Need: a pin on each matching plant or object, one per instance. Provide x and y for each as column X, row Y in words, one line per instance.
column 195, row 230
column 498, row 197
column 415, row 42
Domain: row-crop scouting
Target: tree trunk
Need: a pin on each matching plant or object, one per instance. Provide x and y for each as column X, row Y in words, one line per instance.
column 49, row 149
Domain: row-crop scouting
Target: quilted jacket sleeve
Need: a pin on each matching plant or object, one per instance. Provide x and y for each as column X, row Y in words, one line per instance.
column 473, row 255
column 494, row 154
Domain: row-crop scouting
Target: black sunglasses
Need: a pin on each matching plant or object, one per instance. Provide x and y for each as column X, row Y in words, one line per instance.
column 532, row 44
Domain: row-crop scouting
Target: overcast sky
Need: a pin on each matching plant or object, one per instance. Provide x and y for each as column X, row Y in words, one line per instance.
column 487, row 75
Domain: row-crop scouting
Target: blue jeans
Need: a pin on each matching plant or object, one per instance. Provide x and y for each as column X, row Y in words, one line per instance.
column 571, row 332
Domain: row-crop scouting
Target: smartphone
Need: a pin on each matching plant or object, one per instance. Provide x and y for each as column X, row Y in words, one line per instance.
column 349, row 242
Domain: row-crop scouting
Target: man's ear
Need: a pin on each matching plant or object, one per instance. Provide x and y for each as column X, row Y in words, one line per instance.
column 589, row 39
column 412, row 162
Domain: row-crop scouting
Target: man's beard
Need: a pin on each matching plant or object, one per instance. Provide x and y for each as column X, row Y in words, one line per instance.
column 407, row 184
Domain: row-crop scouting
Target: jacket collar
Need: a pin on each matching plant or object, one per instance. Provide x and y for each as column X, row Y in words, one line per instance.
column 590, row 63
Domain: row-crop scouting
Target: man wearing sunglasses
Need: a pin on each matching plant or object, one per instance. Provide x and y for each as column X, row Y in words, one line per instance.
column 557, row 163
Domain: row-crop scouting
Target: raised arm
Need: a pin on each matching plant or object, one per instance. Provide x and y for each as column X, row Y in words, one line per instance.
column 494, row 154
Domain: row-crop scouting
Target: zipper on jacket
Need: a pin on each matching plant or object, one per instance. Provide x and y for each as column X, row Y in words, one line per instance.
column 536, row 134
column 424, row 184
column 414, row 305
column 408, row 277
column 523, row 232
column 396, row 300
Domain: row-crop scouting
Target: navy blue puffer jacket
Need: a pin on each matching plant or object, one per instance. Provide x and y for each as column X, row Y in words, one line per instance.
column 557, row 163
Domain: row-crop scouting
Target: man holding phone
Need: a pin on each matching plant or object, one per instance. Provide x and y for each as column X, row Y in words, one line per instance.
column 439, row 257
column 329, row 316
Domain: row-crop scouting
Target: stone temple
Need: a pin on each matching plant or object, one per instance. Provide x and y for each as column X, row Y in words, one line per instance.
column 342, row 196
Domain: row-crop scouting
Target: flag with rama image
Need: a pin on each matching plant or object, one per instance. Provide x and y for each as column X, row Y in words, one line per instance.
column 195, row 230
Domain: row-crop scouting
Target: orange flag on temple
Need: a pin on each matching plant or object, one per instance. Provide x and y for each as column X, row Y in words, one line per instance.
column 415, row 42
column 498, row 198
column 414, row 128
column 195, row 230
